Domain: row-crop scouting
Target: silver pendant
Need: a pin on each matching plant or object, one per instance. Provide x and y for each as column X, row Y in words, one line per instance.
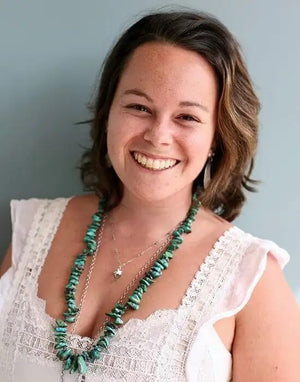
column 118, row 273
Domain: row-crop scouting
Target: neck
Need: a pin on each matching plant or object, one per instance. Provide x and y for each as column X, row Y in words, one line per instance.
column 150, row 219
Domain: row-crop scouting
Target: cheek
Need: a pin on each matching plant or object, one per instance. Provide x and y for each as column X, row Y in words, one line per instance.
column 200, row 145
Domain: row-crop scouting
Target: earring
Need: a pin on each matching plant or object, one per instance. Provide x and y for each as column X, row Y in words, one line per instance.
column 207, row 170
column 107, row 160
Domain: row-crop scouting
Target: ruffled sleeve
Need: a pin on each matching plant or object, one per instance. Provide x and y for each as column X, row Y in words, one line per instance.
column 249, row 272
column 249, row 254
column 22, row 213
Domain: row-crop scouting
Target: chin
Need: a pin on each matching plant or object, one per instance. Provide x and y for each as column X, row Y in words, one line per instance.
column 159, row 193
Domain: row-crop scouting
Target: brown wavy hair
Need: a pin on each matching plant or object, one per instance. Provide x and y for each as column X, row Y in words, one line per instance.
column 237, row 116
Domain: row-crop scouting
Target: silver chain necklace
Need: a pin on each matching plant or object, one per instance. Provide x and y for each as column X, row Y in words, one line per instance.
column 119, row 271
column 82, row 378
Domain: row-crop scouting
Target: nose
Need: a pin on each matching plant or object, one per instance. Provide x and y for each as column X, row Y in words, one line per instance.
column 159, row 133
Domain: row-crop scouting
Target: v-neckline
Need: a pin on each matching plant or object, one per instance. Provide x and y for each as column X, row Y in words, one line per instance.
column 199, row 274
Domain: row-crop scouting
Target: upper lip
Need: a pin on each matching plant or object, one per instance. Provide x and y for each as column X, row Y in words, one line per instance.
column 154, row 156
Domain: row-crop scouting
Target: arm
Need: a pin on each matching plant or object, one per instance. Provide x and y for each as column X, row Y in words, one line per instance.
column 266, row 346
column 6, row 264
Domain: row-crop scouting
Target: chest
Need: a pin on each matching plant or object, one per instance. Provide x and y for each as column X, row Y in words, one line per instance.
column 102, row 291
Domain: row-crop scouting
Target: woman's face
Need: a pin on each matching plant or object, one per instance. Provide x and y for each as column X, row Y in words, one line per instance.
column 162, row 121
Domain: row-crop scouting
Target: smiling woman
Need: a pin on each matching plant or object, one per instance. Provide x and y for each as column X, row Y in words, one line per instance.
column 146, row 278
column 155, row 117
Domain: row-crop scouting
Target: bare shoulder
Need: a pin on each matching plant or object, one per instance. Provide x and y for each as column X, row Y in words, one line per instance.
column 267, row 338
column 215, row 225
column 85, row 204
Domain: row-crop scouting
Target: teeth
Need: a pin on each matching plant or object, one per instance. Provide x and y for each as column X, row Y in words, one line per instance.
column 156, row 164
column 153, row 164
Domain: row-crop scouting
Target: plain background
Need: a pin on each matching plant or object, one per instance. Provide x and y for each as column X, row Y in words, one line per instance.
column 51, row 54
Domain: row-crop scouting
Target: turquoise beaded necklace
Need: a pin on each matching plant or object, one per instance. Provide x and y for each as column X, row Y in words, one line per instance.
column 74, row 361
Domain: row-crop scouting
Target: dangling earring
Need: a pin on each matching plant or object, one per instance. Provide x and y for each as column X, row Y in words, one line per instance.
column 207, row 170
column 107, row 160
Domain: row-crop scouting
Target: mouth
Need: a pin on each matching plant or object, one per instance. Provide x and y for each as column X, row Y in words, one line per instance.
column 153, row 163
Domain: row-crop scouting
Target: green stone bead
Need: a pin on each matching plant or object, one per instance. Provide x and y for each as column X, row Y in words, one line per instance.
column 72, row 311
column 72, row 306
column 68, row 363
column 64, row 354
column 61, row 345
column 81, row 257
column 60, row 335
column 178, row 240
column 58, row 340
column 134, row 298
column 96, row 218
column 119, row 321
column 169, row 254
column 164, row 263
column 71, row 302
column 94, row 354
column 103, row 342
column 60, row 329
column 149, row 279
column 110, row 325
column 138, row 293
column 113, row 315
column 61, row 323
column 173, row 246
column 70, row 286
column 155, row 274
column 158, row 266
column 92, row 245
column 71, row 319
column 79, row 262
column 82, row 366
column 140, row 290
column 74, row 364
column 133, row 305
column 144, row 287
column 86, row 356
column 93, row 226
column 79, row 267
column 144, row 282
column 108, row 330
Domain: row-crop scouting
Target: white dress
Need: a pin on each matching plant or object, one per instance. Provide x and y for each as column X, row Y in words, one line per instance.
column 170, row 345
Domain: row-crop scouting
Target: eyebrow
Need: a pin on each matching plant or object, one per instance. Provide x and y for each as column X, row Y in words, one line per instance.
column 182, row 103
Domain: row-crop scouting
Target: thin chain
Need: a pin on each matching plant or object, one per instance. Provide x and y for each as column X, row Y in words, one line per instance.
column 85, row 289
column 88, row 279
column 137, row 255
column 132, row 282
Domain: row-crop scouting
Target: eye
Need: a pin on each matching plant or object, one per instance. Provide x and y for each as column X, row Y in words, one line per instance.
column 189, row 118
column 138, row 107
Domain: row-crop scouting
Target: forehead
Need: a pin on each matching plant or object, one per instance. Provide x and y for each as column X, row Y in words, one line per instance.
column 162, row 68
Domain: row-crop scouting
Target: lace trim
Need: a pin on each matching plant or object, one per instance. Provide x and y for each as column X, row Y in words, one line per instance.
column 134, row 350
column 220, row 265
column 44, row 225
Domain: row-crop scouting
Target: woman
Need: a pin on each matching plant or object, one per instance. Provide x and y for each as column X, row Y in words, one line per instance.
column 160, row 286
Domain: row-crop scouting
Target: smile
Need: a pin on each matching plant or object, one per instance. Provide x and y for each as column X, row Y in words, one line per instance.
column 153, row 164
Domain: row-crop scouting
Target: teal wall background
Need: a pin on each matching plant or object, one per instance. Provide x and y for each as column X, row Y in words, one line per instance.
column 51, row 52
